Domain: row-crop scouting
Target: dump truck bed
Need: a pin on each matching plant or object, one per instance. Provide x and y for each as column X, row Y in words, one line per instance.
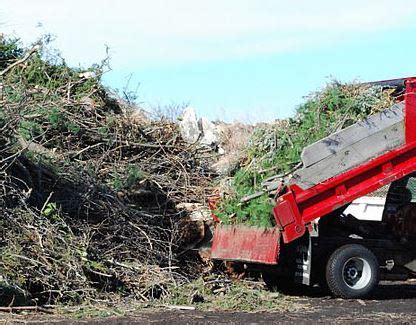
column 351, row 147
column 349, row 164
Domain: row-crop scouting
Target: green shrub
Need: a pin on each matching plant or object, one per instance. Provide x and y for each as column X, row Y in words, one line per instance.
column 10, row 50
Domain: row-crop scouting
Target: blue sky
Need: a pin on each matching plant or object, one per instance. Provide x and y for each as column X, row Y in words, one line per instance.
column 250, row 60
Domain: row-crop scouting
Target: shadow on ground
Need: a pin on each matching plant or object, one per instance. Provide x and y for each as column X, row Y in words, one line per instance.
column 384, row 291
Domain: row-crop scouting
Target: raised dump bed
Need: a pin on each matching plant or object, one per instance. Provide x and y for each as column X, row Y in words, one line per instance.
column 351, row 147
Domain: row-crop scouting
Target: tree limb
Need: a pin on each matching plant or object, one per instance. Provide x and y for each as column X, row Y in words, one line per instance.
column 25, row 58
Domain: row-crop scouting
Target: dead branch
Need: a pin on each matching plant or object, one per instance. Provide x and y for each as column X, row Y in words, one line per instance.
column 22, row 60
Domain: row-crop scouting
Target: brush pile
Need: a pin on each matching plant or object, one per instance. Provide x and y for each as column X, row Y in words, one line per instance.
column 89, row 186
column 276, row 148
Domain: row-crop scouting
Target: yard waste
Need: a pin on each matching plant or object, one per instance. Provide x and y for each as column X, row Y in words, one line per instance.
column 89, row 186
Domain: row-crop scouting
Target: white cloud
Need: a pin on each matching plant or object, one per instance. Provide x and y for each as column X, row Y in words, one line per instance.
column 161, row 31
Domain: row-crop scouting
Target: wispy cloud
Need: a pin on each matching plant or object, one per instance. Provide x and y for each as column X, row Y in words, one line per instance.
column 163, row 31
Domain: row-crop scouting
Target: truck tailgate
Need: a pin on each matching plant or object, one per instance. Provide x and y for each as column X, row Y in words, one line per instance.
column 246, row 244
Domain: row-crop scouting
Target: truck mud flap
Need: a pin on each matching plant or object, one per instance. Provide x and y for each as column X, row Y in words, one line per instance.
column 303, row 260
column 246, row 244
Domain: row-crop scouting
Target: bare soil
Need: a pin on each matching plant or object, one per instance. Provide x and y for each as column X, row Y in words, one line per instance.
column 391, row 302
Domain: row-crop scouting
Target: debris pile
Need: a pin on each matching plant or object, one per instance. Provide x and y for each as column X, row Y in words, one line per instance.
column 89, row 187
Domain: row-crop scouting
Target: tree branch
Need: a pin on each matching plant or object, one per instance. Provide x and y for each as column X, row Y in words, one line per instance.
column 25, row 58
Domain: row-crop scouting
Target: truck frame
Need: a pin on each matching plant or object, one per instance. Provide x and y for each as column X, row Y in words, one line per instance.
column 314, row 241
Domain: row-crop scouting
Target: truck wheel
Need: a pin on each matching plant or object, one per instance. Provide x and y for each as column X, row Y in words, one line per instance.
column 352, row 271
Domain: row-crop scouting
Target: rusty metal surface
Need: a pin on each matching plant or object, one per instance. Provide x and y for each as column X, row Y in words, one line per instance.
column 246, row 244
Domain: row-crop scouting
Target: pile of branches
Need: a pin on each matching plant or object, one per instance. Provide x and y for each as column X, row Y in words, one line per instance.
column 88, row 185
column 273, row 150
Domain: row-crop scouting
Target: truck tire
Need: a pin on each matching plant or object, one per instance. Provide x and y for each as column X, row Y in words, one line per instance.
column 352, row 271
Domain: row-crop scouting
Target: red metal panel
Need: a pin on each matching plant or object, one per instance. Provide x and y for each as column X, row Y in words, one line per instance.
column 284, row 211
column 359, row 185
column 246, row 244
column 288, row 217
column 410, row 110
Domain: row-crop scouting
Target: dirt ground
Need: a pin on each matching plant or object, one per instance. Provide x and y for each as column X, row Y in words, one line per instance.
column 391, row 302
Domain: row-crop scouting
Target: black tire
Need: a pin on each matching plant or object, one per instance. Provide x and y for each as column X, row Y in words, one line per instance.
column 352, row 271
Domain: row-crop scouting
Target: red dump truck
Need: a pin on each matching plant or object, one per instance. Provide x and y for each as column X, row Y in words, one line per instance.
column 315, row 240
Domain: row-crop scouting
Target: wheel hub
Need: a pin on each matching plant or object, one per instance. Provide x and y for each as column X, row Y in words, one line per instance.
column 352, row 272
column 356, row 273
